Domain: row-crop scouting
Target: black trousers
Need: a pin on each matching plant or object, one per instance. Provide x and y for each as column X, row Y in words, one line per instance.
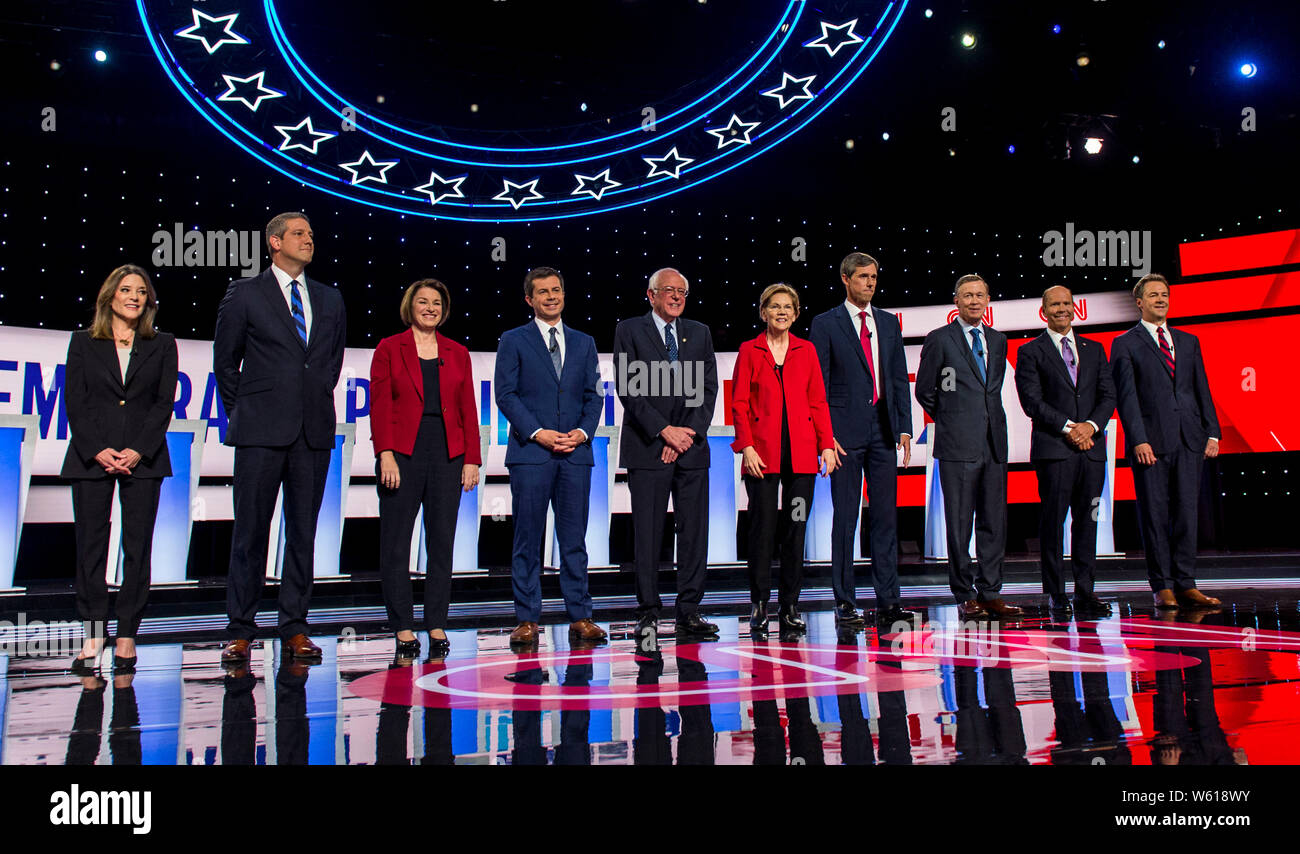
column 259, row 474
column 429, row 480
column 1167, row 495
column 92, row 502
column 1074, row 485
column 975, row 494
column 690, row 491
column 878, row 461
column 768, row 527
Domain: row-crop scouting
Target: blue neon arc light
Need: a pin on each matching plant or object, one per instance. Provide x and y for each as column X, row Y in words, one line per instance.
column 798, row 44
column 300, row 68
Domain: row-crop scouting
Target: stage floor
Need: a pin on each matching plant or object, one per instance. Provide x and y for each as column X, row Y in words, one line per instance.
column 1136, row 688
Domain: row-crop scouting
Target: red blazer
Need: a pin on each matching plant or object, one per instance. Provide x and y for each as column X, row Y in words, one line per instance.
column 756, row 404
column 397, row 397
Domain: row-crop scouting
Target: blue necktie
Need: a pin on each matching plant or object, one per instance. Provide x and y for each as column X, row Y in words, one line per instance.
column 299, row 319
column 555, row 352
column 978, row 346
column 670, row 341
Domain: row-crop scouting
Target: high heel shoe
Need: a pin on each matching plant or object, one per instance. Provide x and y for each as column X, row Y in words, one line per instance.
column 758, row 617
column 439, row 647
column 87, row 666
column 408, row 648
column 124, row 663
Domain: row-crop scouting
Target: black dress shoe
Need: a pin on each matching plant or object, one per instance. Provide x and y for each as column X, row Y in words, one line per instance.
column 1088, row 603
column 789, row 620
column 1060, row 604
column 894, row 614
column 694, row 624
column 846, row 614
column 407, row 648
column 758, row 617
column 646, row 635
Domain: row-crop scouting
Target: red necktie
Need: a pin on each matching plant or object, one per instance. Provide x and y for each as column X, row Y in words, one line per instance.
column 866, row 348
column 1165, row 351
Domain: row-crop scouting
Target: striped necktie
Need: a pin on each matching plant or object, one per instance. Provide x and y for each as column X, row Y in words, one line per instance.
column 1166, row 353
column 299, row 318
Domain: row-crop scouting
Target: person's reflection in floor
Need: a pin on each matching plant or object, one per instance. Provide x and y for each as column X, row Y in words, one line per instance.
column 87, row 722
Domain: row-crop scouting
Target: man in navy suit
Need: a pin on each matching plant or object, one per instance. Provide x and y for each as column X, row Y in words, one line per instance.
column 277, row 353
column 1065, row 388
column 546, row 387
column 1170, row 429
column 865, row 371
column 959, row 384
column 667, row 380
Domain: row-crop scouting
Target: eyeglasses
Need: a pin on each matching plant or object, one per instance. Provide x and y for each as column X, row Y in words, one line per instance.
column 674, row 292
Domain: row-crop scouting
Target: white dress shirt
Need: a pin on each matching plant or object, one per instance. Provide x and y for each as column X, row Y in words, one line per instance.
column 544, row 329
column 1169, row 336
column 984, row 340
column 1057, row 338
column 284, row 279
column 870, row 320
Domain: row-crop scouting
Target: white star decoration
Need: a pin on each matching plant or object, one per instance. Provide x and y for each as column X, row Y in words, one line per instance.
column 595, row 185
column 434, row 188
column 791, row 84
column 302, row 135
column 508, row 193
column 736, row 131
column 844, row 33
column 260, row 90
column 225, row 34
column 672, row 171
column 356, row 166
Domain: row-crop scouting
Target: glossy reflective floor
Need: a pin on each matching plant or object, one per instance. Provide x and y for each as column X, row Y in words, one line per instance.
column 1135, row 688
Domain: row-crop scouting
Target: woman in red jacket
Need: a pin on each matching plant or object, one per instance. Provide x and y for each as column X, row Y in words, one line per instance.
column 778, row 406
column 424, row 425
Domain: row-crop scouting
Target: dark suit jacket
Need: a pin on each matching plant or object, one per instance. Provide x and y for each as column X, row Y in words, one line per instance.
column 758, row 397
column 966, row 409
column 1050, row 399
column 1155, row 409
column 637, row 343
column 104, row 412
column 844, row 369
column 281, row 390
column 532, row 398
column 397, row 397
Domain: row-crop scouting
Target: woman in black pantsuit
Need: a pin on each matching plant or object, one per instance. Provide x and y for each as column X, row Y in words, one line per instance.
column 120, row 384
column 425, row 430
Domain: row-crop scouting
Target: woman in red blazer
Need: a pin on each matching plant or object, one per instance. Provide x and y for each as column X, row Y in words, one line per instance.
column 778, row 407
column 424, row 425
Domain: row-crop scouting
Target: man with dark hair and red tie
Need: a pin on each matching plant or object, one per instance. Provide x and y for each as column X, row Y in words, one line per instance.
column 1065, row 387
column 860, row 348
column 1170, row 429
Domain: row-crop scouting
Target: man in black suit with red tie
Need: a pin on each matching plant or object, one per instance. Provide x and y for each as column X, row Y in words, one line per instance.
column 277, row 354
column 1065, row 387
column 1170, row 429
column 959, row 385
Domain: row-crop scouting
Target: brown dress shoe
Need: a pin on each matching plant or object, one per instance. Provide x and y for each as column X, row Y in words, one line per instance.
column 300, row 646
column 971, row 608
column 998, row 608
column 587, row 630
column 235, row 652
column 524, row 633
column 1165, row 599
column 1194, row 598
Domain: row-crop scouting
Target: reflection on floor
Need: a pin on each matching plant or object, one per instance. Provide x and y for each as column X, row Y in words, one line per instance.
column 1134, row 688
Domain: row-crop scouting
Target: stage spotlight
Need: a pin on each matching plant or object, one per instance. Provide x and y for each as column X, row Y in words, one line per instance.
column 1082, row 60
column 1011, row 149
column 1161, row 44
column 885, row 136
column 952, row 152
column 100, row 56
column 968, row 40
column 55, row 65
column 929, row 13
column 1248, row 69
column 1137, row 159
column 1056, row 28
column 1092, row 144
column 848, row 145
column 473, row 108
column 379, row 99
column 583, row 106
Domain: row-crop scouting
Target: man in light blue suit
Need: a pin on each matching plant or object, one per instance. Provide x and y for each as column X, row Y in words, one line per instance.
column 546, row 386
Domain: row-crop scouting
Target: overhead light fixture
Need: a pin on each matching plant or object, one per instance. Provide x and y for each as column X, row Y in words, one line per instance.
column 1092, row 144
